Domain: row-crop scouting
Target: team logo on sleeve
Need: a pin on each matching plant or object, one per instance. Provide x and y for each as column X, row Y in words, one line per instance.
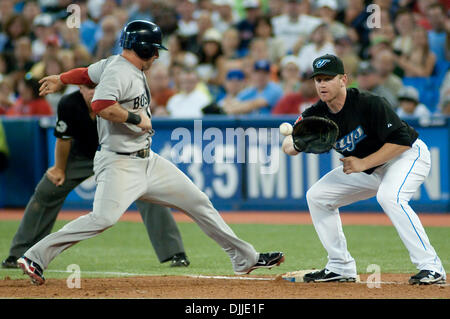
column 349, row 141
column 321, row 63
column 61, row 127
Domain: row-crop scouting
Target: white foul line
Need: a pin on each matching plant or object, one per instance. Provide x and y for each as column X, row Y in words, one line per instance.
column 116, row 273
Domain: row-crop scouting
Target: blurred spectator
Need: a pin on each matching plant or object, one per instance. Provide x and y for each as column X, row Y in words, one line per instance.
column 88, row 28
column 176, row 53
column 188, row 103
column 222, row 16
column 370, row 80
column 193, row 43
column 345, row 50
column 384, row 64
column 187, row 25
column 6, row 11
column 263, row 30
column 31, row 10
column 404, row 25
column 321, row 43
column 297, row 102
column 140, row 10
column 260, row 98
column 290, row 74
column 355, row 18
column 107, row 45
column 327, row 11
column 378, row 43
column 7, row 97
column 81, row 56
column 52, row 50
column 421, row 61
column 21, row 62
column 230, row 44
column 294, row 27
column 15, row 27
column 438, row 35
column 159, row 83
column 246, row 26
column 409, row 105
column 445, row 107
column 275, row 8
column 444, row 90
column 43, row 29
column 29, row 102
column 4, row 150
column 210, row 66
column 234, row 83
column 259, row 50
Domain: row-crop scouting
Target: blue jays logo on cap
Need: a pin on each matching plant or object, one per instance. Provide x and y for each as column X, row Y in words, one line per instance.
column 321, row 63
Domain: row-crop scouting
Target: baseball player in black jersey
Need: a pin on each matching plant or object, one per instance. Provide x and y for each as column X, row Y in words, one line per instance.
column 382, row 157
column 76, row 144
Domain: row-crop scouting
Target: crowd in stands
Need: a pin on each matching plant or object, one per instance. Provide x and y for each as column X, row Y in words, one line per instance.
column 234, row 56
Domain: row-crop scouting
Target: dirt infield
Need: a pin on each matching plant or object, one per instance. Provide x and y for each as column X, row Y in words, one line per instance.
column 392, row 286
column 260, row 217
column 180, row 287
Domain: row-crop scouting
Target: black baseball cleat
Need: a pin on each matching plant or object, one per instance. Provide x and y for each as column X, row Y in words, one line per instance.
column 180, row 260
column 10, row 263
column 265, row 260
column 427, row 277
column 32, row 269
column 325, row 275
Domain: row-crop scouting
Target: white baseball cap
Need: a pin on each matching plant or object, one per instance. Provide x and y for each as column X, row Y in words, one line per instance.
column 408, row 93
column 332, row 4
column 249, row 4
column 289, row 59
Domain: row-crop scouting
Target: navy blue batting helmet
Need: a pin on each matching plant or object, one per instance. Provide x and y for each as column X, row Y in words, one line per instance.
column 143, row 37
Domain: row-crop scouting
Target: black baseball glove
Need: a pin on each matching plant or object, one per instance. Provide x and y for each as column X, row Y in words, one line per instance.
column 314, row 134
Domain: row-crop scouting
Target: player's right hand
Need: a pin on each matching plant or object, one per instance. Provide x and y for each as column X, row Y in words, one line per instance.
column 146, row 124
column 56, row 175
column 50, row 84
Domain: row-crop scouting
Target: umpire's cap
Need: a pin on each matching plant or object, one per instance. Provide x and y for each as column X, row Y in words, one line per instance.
column 143, row 37
column 327, row 64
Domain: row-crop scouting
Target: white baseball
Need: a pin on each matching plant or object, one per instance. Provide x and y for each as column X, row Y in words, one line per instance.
column 286, row 129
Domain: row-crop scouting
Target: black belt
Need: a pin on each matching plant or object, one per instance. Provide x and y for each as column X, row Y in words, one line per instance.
column 143, row 153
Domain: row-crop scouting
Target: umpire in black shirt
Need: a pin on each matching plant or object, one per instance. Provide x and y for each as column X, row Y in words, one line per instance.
column 76, row 144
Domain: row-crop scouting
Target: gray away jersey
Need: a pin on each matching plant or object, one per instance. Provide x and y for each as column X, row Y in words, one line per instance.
column 119, row 80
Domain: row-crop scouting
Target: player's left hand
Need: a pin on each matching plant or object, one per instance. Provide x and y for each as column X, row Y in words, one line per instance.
column 353, row 164
column 50, row 84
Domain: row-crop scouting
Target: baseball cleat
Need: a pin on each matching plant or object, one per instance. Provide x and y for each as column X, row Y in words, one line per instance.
column 427, row 277
column 265, row 260
column 33, row 270
column 325, row 275
column 10, row 263
column 180, row 260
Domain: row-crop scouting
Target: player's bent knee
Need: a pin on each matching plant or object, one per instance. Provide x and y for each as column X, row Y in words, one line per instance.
column 313, row 195
column 386, row 198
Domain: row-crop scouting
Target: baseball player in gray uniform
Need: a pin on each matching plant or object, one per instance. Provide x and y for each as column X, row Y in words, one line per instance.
column 125, row 167
column 76, row 144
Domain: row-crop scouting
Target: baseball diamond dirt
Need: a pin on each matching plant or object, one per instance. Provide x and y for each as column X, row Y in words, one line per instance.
column 231, row 287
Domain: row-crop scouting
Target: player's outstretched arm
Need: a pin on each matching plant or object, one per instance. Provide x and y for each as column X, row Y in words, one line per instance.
column 54, row 83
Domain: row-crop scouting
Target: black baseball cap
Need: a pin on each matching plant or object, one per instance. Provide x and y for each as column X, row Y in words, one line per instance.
column 327, row 64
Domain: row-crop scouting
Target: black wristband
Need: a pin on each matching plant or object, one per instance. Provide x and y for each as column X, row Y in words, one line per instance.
column 133, row 118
